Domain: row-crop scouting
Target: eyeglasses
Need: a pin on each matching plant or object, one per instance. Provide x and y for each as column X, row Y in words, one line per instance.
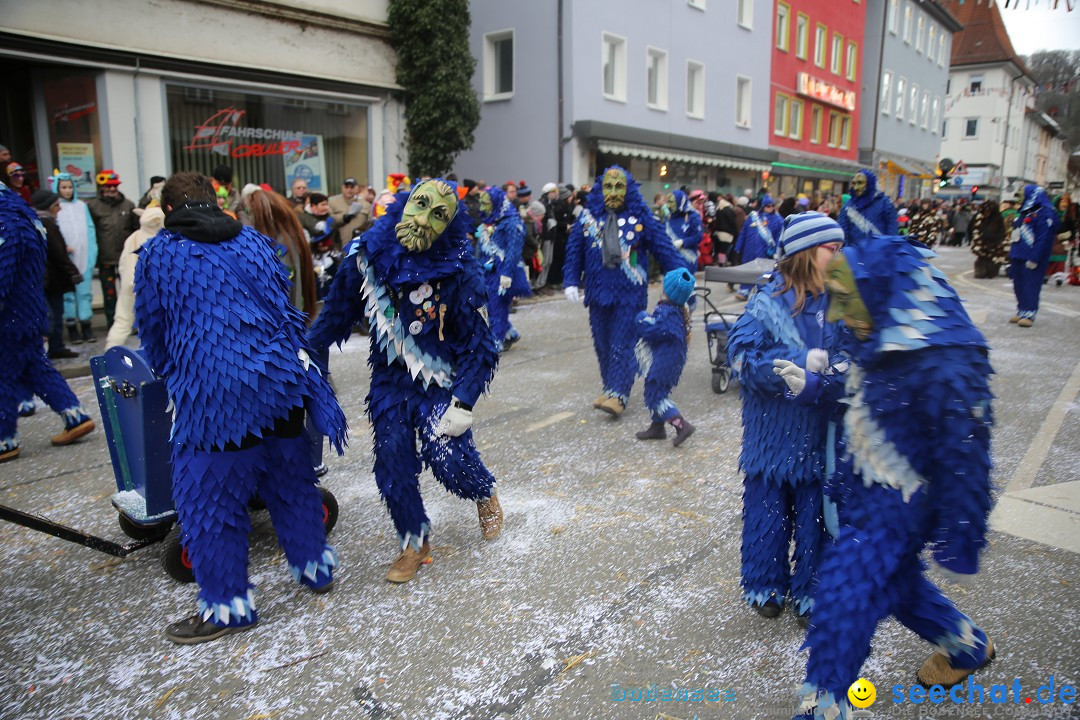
column 832, row 247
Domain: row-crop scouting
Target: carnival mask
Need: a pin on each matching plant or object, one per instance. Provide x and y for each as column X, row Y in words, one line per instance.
column 671, row 203
column 485, row 204
column 845, row 303
column 858, row 184
column 614, row 189
column 431, row 207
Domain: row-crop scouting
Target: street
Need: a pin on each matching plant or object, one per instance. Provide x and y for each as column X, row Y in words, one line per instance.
column 618, row 564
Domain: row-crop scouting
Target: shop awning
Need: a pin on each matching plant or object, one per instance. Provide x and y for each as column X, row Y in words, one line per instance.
column 908, row 167
column 658, row 153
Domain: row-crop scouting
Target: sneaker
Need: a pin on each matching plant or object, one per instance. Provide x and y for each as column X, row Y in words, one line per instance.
column 64, row 354
column 72, row 434
column 410, row 560
column 321, row 470
column 194, row 630
column 491, row 517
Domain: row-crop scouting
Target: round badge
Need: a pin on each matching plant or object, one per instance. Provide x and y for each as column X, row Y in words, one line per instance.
column 633, row 219
column 639, row 227
column 622, row 221
column 415, row 327
column 425, row 291
column 630, row 235
column 427, row 305
column 415, row 297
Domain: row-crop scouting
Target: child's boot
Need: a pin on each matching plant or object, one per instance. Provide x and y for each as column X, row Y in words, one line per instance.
column 683, row 430
column 655, row 431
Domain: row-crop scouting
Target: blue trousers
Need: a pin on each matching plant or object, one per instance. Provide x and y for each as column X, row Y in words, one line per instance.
column 1027, row 284
column 614, row 337
column 28, row 372
column 499, row 314
column 658, row 398
column 77, row 304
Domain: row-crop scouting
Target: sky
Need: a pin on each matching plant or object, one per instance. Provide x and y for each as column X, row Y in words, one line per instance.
column 1041, row 28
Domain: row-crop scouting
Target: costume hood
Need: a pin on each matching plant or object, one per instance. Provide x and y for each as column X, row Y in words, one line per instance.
column 682, row 203
column 861, row 201
column 1034, row 197
column 634, row 203
column 202, row 222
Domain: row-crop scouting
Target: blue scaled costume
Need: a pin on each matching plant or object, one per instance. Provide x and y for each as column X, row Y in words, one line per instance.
column 759, row 237
column 24, row 320
column 661, row 351
column 683, row 227
column 783, row 446
column 430, row 343
column 868, row 214
column 913, row 471
column 212, row 306
column 1038, row 222
column 499, row 242
column 616, row 284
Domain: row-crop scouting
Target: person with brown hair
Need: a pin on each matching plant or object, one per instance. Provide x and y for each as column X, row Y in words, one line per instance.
column 988, row 241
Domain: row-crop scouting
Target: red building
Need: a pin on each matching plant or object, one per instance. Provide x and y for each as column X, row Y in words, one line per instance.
column 817, row 45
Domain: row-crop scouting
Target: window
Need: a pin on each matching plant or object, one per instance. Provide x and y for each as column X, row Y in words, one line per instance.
column 656, row 72
column 886, row 92
column 901, row 86
column 852, row 60
column 802, row 35
column 935, row 114
column 795, row 124
column 745, row 14
column 821, row 35
column 837, row 52
column 834, row 129
column 944, row 127
column 742, row 101
column 845, row 132
column 815, row 124
column 920, row 29
column 908, row 10
column 780, row 116
column 894, row 15
column 971, row 127
column 913, row 103
column 931, row 43
column 499, row 65
column 695, row 89
column 614, row 60
column 975, row 83
column 941, row 50
column 699, row 4
column 924, row 109
column 783, row 12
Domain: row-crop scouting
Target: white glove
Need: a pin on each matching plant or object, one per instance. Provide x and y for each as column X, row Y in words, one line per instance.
column 1031, row 265
column 504, row 282
column 572, row 293
column 320, row 226
column 790, row 373
column 455, row 421
column 678, row 244
column 817, row 360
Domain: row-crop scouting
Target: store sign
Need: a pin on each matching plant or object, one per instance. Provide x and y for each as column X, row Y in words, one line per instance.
column 824, row 91
column 221, row 133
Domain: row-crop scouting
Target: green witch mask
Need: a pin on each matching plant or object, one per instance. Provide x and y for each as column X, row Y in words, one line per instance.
column 614, row 189
column 845, row 303
column 431, row 207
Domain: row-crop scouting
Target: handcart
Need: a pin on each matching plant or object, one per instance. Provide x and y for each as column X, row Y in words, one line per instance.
column 717, row 323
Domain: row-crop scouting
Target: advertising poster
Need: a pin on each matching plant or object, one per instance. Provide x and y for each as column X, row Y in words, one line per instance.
column 78, row 160
column 307, row 163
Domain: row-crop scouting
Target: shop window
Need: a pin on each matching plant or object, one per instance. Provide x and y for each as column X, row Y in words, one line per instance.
column 614, row 63
column 499, row 65
column 74, row 121
column 815, row 124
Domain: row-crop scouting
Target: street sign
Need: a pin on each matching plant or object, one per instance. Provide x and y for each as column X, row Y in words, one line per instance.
column 958, row 181
column 960, row 168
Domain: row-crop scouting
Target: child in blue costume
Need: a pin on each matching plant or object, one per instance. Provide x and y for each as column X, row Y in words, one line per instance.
column 212, row 306
column 500, row 239
column 868, row 212
column 683, row 228
column 24, row 319
column 661, row 353
column 759, row 237
column 414, row 276
column 608, row 249
column 783, row 442
column 915, row 471
column 1038, row 222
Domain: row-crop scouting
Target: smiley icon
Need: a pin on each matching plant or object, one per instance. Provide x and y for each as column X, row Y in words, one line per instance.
column 862, row 693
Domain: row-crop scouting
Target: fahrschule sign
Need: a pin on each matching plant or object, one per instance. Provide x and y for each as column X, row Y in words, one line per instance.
column 221, row 133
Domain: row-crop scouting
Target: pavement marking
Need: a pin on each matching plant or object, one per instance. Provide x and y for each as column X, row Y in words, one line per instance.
column 1036, row 453
column 557, row 417
column 1025, row 514
column 1051, row 307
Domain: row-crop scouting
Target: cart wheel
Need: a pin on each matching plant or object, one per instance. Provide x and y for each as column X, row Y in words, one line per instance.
column 136, row 531
column 721, row 378
column 329, row 509
column 174, row 557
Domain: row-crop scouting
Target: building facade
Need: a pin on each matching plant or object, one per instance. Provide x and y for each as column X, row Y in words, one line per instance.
column 815, row 94
column 906, row 73
column 675, row 92
column 123, row 85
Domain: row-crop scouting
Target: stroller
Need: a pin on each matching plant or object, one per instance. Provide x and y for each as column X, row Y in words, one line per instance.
column 717, row 323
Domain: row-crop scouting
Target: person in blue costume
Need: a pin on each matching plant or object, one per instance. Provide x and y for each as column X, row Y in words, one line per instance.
column 213, row 311
column 661, row 353
column 914, row 471
column 80, row 234
column 1038, row 222
column 499, row 241
column 683, row 228
column 414, row 276
column 868, row 212
column 783, row 443
column 759, row 237
column 24, row 320
column 608, row 250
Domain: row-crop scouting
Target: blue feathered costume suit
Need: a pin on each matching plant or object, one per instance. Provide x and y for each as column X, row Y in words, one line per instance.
column 1038, row 221
column 616, row 290
column 868, row 214
column 661, row 354
column 24, row 320
column 759, row 237
column 430, row 343
column 783, row 446
column 913, row 470
column 683, row 228
column 500, row 239
column 212, row 306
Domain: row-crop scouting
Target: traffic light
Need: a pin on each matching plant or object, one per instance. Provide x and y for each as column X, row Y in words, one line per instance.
column 944, row 168
column 943, row 182
column 974, row 190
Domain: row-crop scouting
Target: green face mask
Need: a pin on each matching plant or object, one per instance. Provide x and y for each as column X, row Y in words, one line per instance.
column 431, row 207
column 671, row 203
column 845, row 303
column 858, row 184
column 614, row 188
column 485, row 204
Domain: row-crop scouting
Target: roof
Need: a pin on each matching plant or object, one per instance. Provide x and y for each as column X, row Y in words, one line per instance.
column 984, row 38
column 937, row 10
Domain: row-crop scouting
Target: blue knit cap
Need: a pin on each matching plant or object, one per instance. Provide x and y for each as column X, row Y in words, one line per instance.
column 678, row 286
column 767, row 200
column 807, row 230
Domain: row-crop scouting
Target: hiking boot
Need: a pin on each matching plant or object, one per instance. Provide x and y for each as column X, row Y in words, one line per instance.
column 88, row 333
column 408, row 563
column 10, row 454
column 64, row 354
column 937, row 670
column 72, row 434
column 491, row 517
column 1025, row 322
column 655, row 431
column 194, row 630
column 612, row 406
column 683, row 430
column 771, row 609
column 1014, row 319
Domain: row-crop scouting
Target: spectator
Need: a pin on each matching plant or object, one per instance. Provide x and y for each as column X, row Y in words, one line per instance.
column 61, row 275
column 988, row 241
column 17, row 177
column 350, row 211
column 153, row 192
column 724, row 228
column 531, row 252
column 299, row 195
column 222, row 177
column 961, row 223
column 77, row 228
column 787, row 207
column 151, row 220
column 113, row 222
column 5, row 155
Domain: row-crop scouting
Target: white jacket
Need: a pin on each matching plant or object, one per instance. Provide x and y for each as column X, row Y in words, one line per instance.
column 150, row 223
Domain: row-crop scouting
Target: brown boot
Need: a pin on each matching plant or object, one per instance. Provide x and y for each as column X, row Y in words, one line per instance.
column 683, row 430
column 408, row 563
column 1014, row 319
column 1025, row 322
column 72, row 434
column 937, row 670
column 599, row 401
column 10, row 454
column 655, row 431
column 491, row 517
column 612, row 406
